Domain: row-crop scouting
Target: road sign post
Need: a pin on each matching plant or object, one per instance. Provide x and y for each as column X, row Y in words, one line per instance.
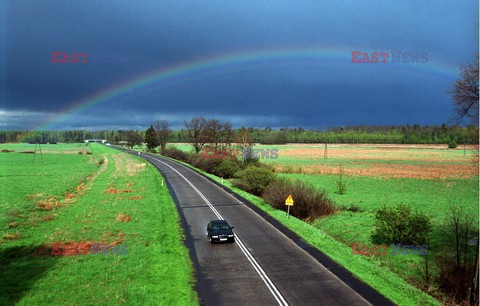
column 289, row 202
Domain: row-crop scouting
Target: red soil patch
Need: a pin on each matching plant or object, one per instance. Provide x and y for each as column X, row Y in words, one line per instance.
column 80, row 187
column 69, row 195
column 48, row 218
column 135, row 198
column 69, row 248
column 112, row 190
column 123, row 218
column 46, row 205
column 130, row 184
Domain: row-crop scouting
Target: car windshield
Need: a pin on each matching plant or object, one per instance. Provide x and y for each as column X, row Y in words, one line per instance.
column 220, row 226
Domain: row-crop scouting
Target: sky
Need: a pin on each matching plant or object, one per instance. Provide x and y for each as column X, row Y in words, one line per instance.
column 253, row 63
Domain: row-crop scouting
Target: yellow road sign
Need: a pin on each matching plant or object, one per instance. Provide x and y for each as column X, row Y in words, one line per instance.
column 289, row 201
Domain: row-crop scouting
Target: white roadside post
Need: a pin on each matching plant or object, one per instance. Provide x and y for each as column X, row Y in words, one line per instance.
column 289, row 202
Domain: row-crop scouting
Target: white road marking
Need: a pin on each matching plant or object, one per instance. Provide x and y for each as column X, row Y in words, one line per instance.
column 268, row 282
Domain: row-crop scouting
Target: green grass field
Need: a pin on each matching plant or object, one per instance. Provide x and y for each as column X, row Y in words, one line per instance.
column 105, row 197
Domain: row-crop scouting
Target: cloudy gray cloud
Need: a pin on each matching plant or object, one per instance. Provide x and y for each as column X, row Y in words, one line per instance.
column 127, row 40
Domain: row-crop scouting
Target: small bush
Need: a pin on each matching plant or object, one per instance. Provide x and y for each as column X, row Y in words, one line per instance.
column 309, row 202
column 101, row 161
column 253, row 179
column 193, row 159
column 452, row 144
column 341, row 185
column 207, row 165
column 228, row 167
column 176, row 154
column 400, row 225
column 89, row 153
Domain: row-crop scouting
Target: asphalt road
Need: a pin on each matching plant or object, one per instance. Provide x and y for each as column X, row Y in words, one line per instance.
column 263, row 266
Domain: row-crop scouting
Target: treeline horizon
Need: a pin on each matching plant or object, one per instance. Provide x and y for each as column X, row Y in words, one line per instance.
column 405, row 134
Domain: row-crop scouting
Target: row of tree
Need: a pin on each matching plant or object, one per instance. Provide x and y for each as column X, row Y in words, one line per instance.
column 200, row 131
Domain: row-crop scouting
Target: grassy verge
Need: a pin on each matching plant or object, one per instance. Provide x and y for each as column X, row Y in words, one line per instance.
column 106, row 197
column 371, row 271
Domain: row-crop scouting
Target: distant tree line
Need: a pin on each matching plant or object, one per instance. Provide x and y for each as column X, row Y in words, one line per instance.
column 216, row 133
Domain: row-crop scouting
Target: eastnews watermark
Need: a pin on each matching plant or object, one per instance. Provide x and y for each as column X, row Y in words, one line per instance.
column 90, row 57
column 396, row 56
column 243, row 153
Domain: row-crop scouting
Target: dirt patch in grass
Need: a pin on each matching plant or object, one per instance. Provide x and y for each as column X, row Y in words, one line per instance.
column 13, row 236
column 48, row 218
column 112, row 190
column 434, row 171
column 69, row 195
column 46, row 205
column 134, row 198
column 69, row 248
column 14, row 225
column 35, row 195
column 125, row 164
column 123, row 218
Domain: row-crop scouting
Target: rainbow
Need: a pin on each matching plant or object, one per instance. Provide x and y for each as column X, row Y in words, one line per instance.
column 190, row 69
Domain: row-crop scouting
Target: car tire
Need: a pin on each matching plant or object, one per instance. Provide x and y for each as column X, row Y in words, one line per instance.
column 210, row 239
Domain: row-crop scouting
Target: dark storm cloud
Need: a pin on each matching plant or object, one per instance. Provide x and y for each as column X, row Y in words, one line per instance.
column 127, row 39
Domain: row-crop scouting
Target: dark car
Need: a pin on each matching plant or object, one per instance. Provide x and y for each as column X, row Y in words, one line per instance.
column 220, row 231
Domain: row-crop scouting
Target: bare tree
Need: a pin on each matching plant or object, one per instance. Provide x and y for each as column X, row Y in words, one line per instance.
column 226, row 134
column 213, row 132
column 465, row 93
column 218, row 133
column 243, row 138
column 196, row 133
column 163, row 133
column 133, row 138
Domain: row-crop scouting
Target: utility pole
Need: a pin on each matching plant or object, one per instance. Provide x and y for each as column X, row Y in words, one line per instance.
column 35, row 152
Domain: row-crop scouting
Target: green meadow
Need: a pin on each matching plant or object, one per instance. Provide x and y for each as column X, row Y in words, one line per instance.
column 98, row 196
